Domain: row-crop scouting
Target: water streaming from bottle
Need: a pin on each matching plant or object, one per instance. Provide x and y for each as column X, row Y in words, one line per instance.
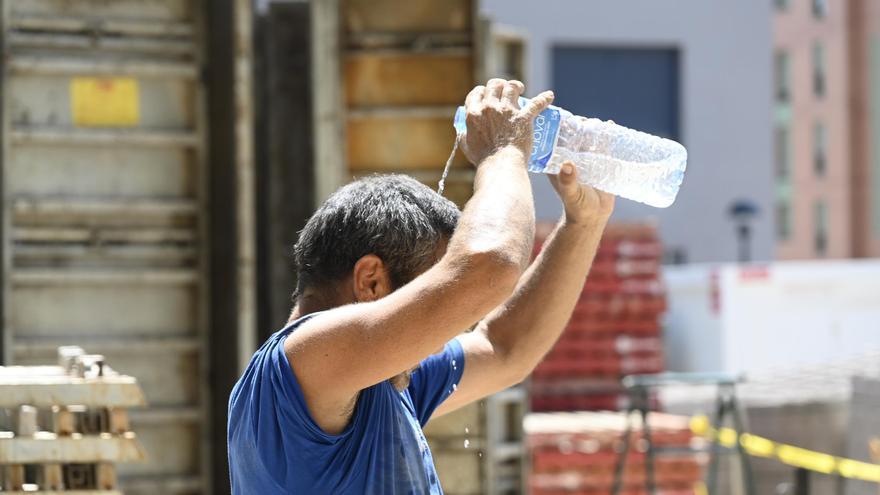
column 442, row 184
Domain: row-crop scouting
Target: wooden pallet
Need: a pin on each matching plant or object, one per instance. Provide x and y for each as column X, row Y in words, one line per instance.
column 63, row 428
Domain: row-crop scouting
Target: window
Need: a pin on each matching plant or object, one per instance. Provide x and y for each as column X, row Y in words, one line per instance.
column 820, row 144
column 821, row 228
column 783, row 164
column 820, row 8
column 783, row 220
column 782, row 75
column 818, row 69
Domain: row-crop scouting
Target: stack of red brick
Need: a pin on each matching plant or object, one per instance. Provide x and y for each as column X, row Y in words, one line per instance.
column 576, row 454
column 614, row 330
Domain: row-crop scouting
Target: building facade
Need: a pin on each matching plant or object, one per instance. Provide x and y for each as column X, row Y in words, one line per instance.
column 826, row 128
column 698, row 72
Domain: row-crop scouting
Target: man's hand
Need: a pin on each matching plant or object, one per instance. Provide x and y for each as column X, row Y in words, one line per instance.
column 584, row 205
column 495, row 119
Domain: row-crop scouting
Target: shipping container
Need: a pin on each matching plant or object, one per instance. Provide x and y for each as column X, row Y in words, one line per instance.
column 106, row 232
column 746, row 318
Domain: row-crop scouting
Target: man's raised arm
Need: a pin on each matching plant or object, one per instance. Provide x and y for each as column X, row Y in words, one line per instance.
column 346, row 349
column 512, row 339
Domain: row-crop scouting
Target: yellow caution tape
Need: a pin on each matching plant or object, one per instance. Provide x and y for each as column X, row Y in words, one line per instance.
column 788, row 454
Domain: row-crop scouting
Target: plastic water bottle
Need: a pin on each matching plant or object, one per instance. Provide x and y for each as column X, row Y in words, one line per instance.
column 610, row 157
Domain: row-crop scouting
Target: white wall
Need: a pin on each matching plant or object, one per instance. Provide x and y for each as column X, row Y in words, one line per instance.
column 726, row 58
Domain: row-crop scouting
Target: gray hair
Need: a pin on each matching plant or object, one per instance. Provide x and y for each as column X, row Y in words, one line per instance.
column 394, row 217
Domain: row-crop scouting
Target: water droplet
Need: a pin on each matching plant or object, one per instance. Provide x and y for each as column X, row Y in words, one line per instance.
column 467, row 443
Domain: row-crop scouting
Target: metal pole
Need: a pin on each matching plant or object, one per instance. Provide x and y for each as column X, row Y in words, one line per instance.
column 801, row 482
column 624, row 451
column 646, row 434
column 744, row 232
column 739, row 425
column 712, row 481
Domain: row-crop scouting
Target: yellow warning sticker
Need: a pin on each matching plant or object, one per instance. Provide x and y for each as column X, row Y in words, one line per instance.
column 105, row 101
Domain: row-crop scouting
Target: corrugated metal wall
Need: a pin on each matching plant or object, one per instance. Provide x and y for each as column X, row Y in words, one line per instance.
column 103, row 208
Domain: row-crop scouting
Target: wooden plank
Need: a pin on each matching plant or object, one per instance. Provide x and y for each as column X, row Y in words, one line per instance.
column 429, row 177
column 106, row 476
column 45, row 135
column 47, row 391
column 16, row 371
column 401, row 144
column 103, row 235
column 51, row 477
column 125, row 212
column 374, row 79
column 64, row 492
column 48, row 448
column 26, row 424
column 411, row 15
column 122, row 26
column 92, row 255
column 164, row 484
column 410, row 112
column 30, row 348
column 64, row 423
column 68, row 66
column 13, row 477
column 89, row 42
column 418, row 41
column 43, row 277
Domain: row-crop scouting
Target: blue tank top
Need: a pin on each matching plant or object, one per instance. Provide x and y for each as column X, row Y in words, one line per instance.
column 276, row 447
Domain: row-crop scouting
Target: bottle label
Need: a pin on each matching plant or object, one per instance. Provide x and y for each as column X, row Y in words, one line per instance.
column 546, row 130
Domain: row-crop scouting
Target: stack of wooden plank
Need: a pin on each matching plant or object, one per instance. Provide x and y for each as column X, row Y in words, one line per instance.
column 614, row 330
column 63, row 428
column 576, row 454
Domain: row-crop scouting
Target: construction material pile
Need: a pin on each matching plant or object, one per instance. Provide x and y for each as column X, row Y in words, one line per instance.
column 576, row 454
column 614, row 330
column 63, row 428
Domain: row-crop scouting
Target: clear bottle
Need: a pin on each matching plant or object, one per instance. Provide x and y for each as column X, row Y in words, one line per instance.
column 622, row 161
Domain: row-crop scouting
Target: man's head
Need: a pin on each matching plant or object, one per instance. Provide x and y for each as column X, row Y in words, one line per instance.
column 372, row 237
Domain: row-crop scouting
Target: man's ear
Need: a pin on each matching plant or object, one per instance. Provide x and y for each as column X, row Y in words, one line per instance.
column 370, row 279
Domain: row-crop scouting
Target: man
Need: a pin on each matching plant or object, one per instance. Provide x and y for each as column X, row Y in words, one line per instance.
column 389, row 274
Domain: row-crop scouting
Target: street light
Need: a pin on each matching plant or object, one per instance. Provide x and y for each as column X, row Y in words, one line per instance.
column 742, row 211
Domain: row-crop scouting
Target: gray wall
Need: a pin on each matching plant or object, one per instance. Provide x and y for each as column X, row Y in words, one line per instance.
column 726, row 83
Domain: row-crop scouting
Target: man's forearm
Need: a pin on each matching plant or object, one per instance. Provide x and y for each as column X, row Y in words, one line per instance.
column 525, row 327
column 500, row 215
